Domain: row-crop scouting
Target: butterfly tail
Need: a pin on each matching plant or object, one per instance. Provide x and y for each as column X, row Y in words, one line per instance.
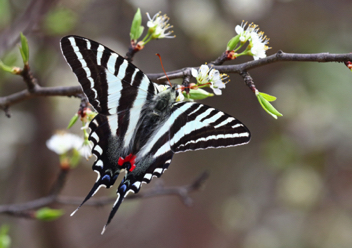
column 95, row 188
column 105, row 181
column 124, row 189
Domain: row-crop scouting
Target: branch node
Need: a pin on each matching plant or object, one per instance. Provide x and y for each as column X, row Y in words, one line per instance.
column 28, row 78
column 248, row 81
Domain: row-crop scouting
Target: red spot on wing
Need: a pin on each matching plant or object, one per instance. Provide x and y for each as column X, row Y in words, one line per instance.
column 128, row 159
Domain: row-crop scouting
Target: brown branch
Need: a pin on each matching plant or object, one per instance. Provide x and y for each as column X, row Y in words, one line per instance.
column 277, row 57
column 27, row 209
column 28, row 78
column 248, row 80
column 7, row 101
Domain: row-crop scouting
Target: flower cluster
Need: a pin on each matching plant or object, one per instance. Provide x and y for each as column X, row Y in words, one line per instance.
column 210, row 77
column 257, row 41
column 159, row 26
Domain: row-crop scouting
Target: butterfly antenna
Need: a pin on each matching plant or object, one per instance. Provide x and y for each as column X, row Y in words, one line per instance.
column 162, row 66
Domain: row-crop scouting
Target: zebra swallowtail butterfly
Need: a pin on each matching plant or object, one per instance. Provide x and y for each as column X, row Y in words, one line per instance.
column 138, row 128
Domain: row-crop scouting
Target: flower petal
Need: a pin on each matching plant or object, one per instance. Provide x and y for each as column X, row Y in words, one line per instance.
column 194, row 72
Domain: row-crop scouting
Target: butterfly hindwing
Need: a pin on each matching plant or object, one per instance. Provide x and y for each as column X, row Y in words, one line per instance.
column 197, row 126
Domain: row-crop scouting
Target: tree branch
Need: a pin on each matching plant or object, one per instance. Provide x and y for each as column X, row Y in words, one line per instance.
column 27, row 209
column 279, row 56
column 7, row 101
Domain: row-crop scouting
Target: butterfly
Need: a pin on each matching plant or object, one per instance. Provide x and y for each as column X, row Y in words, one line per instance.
column 139, row 126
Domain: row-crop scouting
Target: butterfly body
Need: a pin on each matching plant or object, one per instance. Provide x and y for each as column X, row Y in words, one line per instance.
column 139, row 127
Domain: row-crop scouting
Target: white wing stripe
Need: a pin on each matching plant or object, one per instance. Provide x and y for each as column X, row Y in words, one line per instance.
column 99, row 163
column 135, row 112
column 84, row 64
column 228, row 120
column 100, row 51
column 195, row 110
column 165, row 128
column 237, row 125
column 137, row 184
column 148, row 176
column 88, row 44
column 214, row 118
column 111, row 63
column 122, row 70
column 158, row 170
column 98, row 149
column 113, row 124
column 95, row 136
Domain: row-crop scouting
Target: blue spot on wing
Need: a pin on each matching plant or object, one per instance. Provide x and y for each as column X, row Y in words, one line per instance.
column 123, row 188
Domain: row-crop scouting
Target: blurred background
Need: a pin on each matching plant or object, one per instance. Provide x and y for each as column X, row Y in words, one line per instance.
column 290, row 187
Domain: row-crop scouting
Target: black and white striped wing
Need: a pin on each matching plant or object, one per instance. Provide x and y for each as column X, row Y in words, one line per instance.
column 117, row 90
column 195, row 126
column 110, row 82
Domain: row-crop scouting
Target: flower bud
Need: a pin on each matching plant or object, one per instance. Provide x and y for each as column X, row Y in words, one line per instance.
column 232, row 44
column 199, row 94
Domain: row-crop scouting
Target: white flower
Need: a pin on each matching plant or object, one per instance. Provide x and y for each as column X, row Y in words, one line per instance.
column 162, row 87
column 158, row 25
column 205, row 75
column 245, row 34
column 85, row 149
column 257, row 39
column 180, row 97
column 62, row 142
column 259, row 47
column 217, row 81
column 202, row 74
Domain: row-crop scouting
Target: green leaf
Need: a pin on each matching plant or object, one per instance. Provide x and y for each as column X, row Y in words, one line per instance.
column 268, row 97
column 266, row 105
column 6, row 68
column 198, row 94
column 231, row 45
column 24, row 49
column 5, row 239
column 136, row 28
column 73, row 121
column 48, row 214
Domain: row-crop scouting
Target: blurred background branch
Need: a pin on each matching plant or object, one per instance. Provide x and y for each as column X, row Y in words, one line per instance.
column 25, row 210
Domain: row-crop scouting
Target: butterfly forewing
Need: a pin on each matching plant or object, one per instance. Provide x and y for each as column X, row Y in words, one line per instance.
column 109, row 81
